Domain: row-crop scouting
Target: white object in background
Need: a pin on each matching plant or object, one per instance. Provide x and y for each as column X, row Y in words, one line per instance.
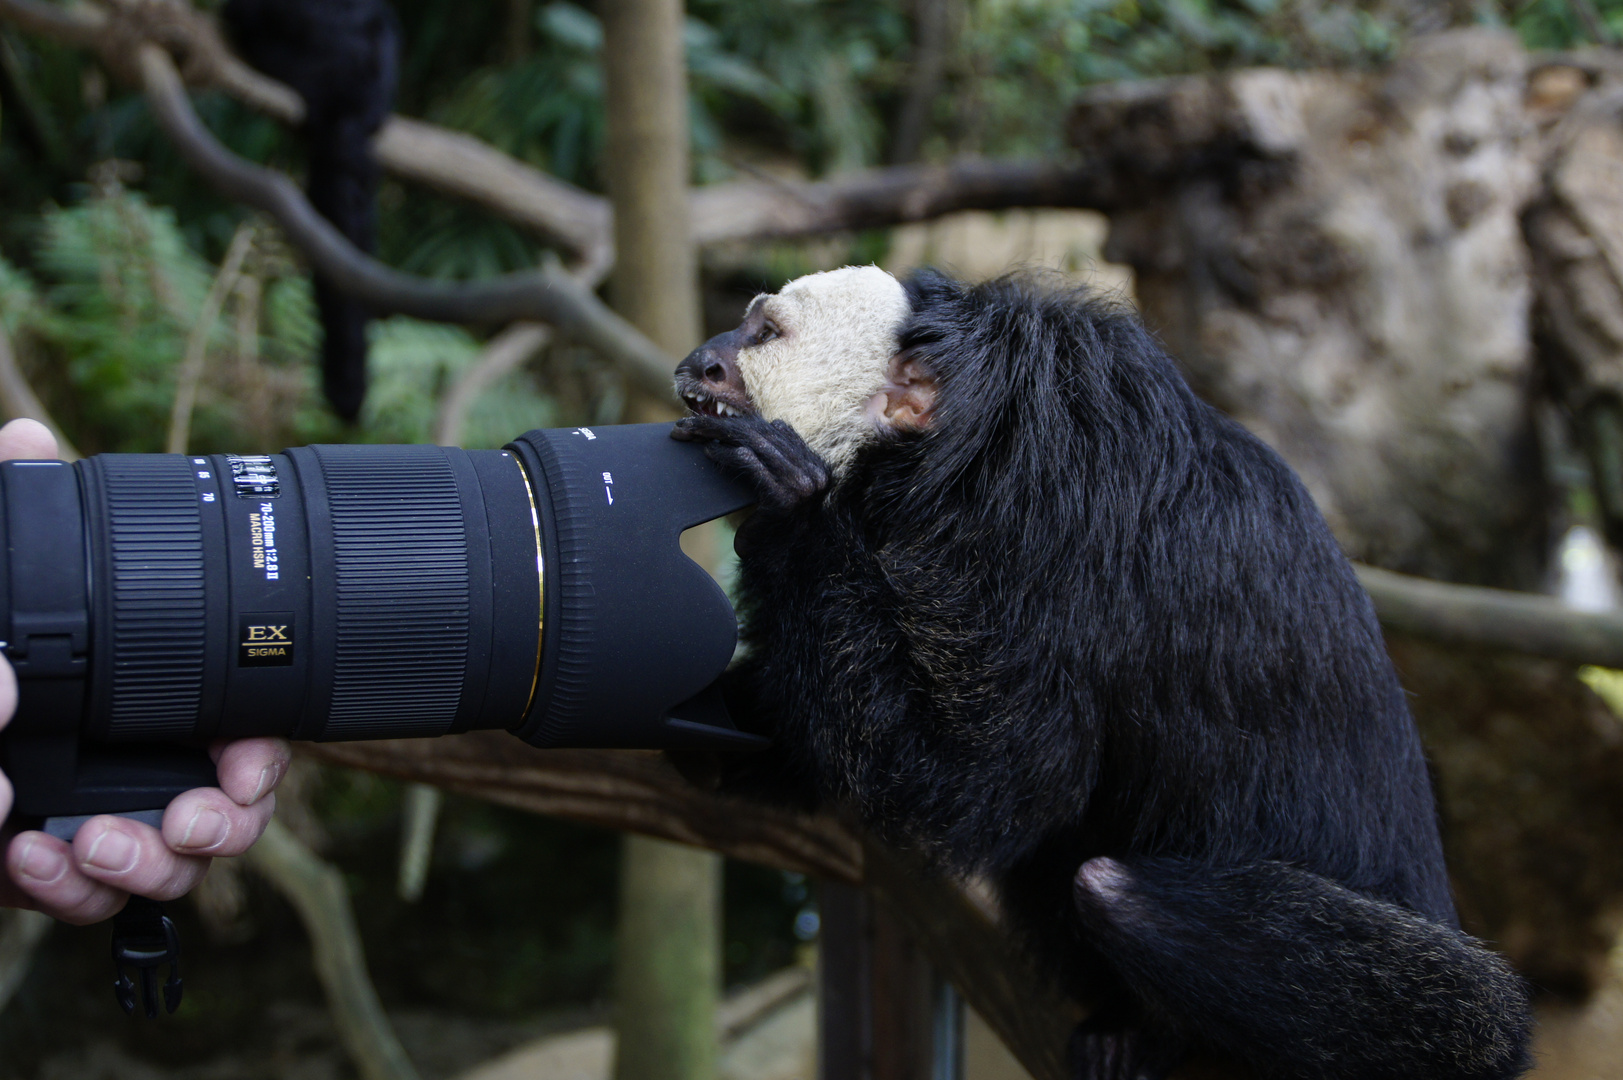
column 1588, row 572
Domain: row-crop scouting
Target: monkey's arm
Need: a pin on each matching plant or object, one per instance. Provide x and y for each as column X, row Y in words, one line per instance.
column 769, row 454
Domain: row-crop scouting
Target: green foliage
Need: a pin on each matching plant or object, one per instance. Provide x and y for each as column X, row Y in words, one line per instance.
column 836, row 66
column 414, row 363
column 1023, row 61
column 1557, row 24
column 124, row 291
column 118, row 294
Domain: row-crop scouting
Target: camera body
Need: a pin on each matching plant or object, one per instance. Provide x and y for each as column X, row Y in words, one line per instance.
column 153, row 603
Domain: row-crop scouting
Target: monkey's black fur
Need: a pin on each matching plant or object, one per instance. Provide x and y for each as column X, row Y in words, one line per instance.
column 1086, row 617
column 342, row 58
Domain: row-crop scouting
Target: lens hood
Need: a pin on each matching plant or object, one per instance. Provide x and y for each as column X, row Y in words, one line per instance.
column 635, row 633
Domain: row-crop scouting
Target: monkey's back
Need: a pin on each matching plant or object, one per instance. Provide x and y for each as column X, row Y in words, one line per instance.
column 1084, row 615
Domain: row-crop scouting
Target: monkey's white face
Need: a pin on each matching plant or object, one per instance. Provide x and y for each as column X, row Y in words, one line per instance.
column 820, row 354
column 825, row 355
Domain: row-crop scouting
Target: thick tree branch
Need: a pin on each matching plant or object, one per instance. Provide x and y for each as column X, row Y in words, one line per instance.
column 546, row 295
column 461, row 166
column 501, row 355
column 1493, row 619
column 316, row 890
column 17, row 398
column 955, row 923
column 626, row 790
column 881, row 197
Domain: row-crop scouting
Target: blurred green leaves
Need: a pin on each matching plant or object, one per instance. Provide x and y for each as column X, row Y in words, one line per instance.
column 115, row 292
column 103, row 288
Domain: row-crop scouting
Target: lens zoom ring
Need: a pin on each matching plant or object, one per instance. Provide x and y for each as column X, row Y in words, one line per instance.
column 402, row 591
column 156, row 538
column 572, row 643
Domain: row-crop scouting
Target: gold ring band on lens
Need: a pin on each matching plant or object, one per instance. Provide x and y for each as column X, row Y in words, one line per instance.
column 541, row 585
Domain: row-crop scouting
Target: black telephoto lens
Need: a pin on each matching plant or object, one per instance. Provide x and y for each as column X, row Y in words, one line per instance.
column 152, row 603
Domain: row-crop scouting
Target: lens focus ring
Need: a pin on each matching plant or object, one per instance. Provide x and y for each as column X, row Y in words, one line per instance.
column 401, row 562
column 158, row 635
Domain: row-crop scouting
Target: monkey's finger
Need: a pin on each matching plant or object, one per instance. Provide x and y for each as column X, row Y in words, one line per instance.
column 775, row 493
column 796, row 467
column 701, row 428
column 682, row 431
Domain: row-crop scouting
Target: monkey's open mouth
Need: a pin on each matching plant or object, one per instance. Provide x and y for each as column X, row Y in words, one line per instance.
column 707, row 404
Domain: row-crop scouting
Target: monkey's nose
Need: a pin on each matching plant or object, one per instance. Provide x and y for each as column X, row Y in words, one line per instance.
column 711, row 369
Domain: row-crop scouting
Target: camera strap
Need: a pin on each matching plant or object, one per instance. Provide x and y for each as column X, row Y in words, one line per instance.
column 143, row 941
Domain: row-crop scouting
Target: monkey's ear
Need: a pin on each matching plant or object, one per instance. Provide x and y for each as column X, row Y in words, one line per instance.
column 907, row 400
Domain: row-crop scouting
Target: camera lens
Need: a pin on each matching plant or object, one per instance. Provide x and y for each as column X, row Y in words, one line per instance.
column 363, row 592
column 328, row 592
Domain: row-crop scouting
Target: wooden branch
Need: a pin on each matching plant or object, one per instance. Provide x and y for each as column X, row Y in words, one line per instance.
column 462, row 166
column 547, row 295
column 421, row 817
column 1493, row 619
column 636, row 791
column 960, row 931
column 501, row 355
column 190, row 377
column 877, row 198
column 956, row 923
column 17, row 398
column 80, row 25
column 316, row 890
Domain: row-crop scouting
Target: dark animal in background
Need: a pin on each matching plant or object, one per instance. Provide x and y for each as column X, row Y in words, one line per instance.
column 342, row 58
column 1022, row 601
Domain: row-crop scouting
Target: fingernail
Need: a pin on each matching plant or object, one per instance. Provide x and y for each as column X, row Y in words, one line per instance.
column 114, row 852
column 41, row 863
column 207, row 829
column 267, row 780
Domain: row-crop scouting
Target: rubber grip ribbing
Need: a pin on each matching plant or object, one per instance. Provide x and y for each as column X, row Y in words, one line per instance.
column 402, row 590
column 158, row 636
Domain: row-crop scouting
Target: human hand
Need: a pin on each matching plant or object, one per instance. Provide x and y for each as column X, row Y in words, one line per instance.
column 111, row 857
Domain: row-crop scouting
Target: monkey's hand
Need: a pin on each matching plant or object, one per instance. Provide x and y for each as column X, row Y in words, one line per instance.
column 768, row 453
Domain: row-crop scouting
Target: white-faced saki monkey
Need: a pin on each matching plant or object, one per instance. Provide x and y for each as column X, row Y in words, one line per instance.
column 342, row 56
column 1020, row 600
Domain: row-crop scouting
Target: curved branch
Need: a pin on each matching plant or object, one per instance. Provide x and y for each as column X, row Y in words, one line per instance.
column 881, row 197
column 1493, row 619
column 628, row 790
column 17, row 398
column 460, row 165
column 80, row 25
column 546, row 295
column 956, row 923
column 317, row 892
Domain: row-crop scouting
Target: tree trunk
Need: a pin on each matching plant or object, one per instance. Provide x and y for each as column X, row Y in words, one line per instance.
column 1339, row 261
column 667, row 969
column 667, row 963
column 655, row 280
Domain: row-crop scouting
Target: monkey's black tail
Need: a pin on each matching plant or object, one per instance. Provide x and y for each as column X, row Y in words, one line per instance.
column 342, row 56
column 1299, row 977
column 343, row 186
